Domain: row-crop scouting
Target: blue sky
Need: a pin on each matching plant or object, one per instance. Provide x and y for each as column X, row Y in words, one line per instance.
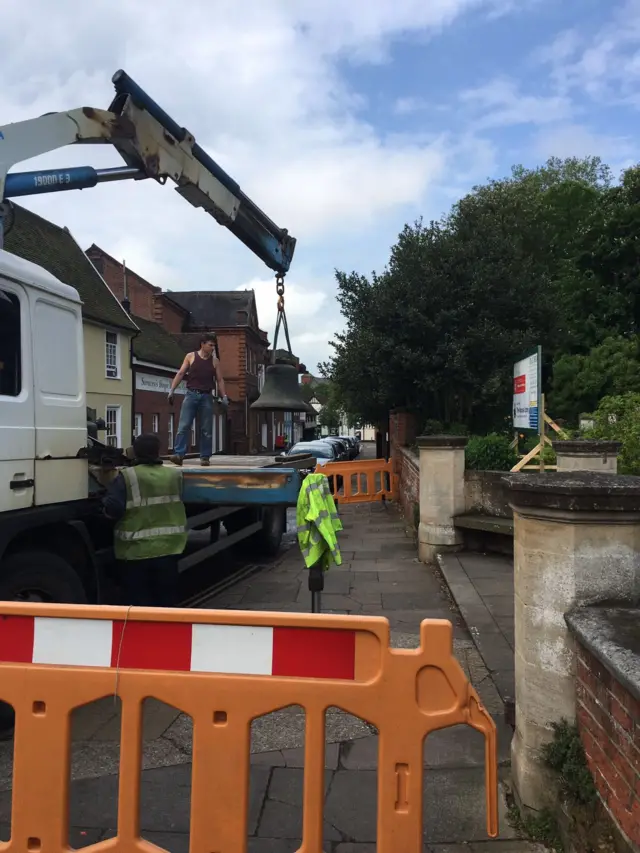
column 342, row 121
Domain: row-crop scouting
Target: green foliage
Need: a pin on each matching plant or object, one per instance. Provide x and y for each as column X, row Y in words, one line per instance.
column 334, row 411
column 433, row 427
column 546, row 256
column 565, row 755
column 541, row 827
column 580, row 381
column 490, row 453
column 548, row 454
column 618, row 419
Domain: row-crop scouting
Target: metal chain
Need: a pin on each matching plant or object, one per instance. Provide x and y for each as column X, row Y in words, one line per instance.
column 282, row 318
column 280, row 292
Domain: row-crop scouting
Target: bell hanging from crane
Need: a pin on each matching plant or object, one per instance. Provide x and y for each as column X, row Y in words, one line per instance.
column 281, row 391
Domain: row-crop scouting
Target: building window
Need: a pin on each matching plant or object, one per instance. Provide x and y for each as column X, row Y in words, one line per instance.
column 112, row 355
column 155, row 423
column 10, row 346
column 261, row 377
column 170, row 441
column 137, row 425
column 113, row 423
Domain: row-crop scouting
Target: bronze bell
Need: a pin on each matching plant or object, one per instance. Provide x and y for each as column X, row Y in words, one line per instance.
column 281, row 391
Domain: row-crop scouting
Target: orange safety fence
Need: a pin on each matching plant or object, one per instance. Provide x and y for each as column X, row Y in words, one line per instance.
column 225, row 669
column 361, row 482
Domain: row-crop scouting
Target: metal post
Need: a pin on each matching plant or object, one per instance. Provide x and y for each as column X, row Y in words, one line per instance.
column 316, row 585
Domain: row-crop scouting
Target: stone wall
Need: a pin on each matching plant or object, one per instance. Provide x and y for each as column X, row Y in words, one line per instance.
column 608, row 710
column 485, row 493
column 408, row 469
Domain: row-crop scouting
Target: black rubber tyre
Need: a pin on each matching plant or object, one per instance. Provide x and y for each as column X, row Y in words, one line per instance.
column 40, row 576
column 267, row 541
column 36, row 575
column 214, row 531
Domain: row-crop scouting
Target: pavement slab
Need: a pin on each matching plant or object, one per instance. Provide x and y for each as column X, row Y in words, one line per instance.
column 481, row 586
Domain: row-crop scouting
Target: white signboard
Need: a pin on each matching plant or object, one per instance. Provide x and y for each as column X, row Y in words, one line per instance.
column 161, row 384
column 526, row 392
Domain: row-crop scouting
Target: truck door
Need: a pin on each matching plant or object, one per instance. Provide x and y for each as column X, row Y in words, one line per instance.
column 17, row 412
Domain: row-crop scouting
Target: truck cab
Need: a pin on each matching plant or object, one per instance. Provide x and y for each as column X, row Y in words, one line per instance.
column 42, row 389
column 50, row 535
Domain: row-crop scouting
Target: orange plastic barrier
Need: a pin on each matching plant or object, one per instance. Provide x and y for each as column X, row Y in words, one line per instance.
column 361, row 482
column 226, row 668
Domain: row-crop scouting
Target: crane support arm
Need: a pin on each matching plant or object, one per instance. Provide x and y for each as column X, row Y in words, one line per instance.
column 152, row 145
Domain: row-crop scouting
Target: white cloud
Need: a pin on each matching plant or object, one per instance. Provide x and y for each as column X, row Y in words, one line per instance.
column 604, row 65
column 308, row 307
column 501, row 103
column 575, row 140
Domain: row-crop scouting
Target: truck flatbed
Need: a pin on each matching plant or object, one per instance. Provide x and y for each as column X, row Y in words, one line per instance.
column 243, row 480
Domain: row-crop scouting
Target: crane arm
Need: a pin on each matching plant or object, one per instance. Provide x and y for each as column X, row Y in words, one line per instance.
column 152, row 145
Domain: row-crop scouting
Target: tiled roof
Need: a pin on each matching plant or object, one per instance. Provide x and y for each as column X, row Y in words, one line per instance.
column 52, row 247
column 154, row 344
column 215, row 309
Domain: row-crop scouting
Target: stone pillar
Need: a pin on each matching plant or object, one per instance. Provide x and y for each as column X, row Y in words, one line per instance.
column 587, row 454
column 441, row 494
column 576, row 542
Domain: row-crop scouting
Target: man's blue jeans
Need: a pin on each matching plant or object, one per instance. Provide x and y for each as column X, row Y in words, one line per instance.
column 195, row 402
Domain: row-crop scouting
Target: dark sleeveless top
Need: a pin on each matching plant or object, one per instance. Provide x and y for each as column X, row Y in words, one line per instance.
column 201, row 375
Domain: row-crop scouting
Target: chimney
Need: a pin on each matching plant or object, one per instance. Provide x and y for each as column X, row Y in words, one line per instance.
column 126, row 304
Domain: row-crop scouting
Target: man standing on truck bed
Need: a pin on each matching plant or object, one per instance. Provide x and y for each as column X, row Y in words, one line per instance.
column 145, row 501
column 202, row 370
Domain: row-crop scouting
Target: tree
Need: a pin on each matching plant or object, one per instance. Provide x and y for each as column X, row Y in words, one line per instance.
column 580, row 381
column 333, row 413
column 438, row 330
column 618, row 419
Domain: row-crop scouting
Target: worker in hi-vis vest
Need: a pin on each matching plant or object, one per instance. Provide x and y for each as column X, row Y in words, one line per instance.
column 145, row 501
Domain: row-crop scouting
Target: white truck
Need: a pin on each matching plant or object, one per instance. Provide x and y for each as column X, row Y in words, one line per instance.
column 55, row 544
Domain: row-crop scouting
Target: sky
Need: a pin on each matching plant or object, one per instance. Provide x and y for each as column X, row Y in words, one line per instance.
column 342, row 121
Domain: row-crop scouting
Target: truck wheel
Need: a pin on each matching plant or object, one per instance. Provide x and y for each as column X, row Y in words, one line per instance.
column 267, row 541
column 36, row 576
column 40, row 576
column 214, row 531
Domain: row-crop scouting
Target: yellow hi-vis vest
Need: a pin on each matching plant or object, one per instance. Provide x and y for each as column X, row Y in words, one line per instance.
column 317, row 522
column 155, row 521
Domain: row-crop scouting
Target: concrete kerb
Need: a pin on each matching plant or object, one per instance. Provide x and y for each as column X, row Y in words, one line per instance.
column 487, row 637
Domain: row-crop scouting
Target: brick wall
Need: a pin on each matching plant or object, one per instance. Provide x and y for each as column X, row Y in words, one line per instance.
column 169, row 315
column 139, row 291
column 402, row 428
column 609, row 723
column 408, row 470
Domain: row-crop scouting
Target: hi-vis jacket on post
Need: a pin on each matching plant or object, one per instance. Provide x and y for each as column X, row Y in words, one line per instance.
column 155, row 521
column 317, row 522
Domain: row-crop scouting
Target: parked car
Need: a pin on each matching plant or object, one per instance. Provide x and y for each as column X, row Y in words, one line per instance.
column 322, row 451
column 341, row 446
column 352, row 445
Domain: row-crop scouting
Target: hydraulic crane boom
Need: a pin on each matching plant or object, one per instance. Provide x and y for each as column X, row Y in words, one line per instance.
column 152, row 145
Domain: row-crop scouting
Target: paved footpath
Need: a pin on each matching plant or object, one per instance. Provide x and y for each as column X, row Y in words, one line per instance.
column 380, row 576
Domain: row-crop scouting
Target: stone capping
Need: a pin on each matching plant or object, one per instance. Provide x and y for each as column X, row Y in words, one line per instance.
column 441, row 442
column 611, row 634
column 587, row 447
column 411, row 457
column 579, row 491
